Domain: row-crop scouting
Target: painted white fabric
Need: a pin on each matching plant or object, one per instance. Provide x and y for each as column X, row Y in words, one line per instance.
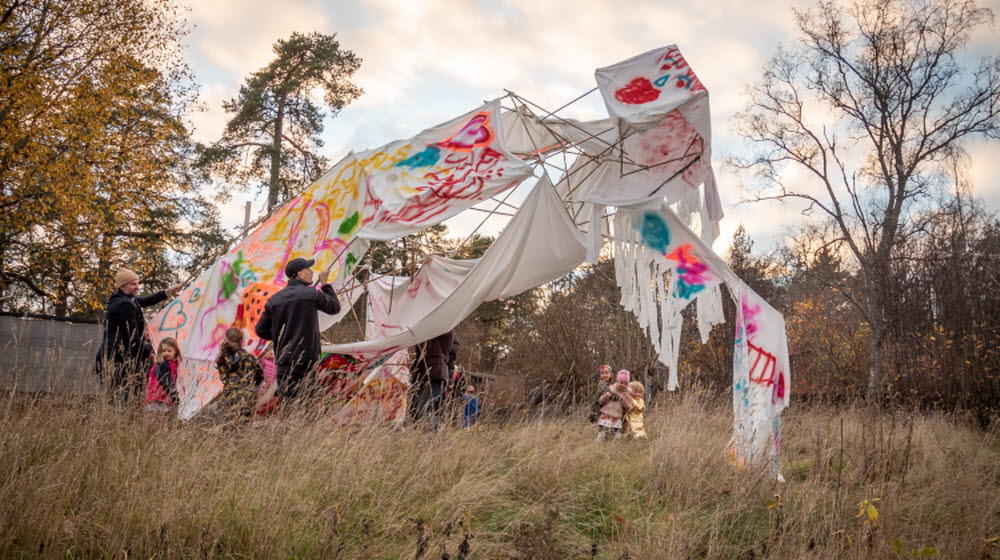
column 515, row 262
column 761, row 381
column 380, row 394
column 402, row 302
column 400, row 188
column 650, row 243
column 200, row 382
column 640, row 91
column 661, row 111
column 448, row 168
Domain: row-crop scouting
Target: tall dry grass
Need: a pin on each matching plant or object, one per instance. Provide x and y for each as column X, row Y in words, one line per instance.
column 83, row 480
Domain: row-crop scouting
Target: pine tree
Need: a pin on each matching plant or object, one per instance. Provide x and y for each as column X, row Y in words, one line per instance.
column 276, row 120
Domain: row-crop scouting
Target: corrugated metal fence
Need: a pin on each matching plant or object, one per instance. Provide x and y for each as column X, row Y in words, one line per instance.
column 39, row 354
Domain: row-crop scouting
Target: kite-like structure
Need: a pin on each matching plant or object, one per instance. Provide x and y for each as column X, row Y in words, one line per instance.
column 640, row 181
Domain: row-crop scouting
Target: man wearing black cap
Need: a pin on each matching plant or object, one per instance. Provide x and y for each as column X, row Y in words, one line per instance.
column 290, row 320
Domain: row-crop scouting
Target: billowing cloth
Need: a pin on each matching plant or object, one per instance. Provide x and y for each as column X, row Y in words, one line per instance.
column 514, row 263
column 401, row 188
column 761, row 381
column 649, row 244
column 662, row 114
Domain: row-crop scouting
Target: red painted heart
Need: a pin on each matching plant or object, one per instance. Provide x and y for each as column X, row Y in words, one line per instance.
column 476, row 132
column 637, row 92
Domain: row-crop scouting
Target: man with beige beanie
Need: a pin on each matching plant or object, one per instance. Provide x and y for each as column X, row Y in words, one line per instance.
column 122, row 360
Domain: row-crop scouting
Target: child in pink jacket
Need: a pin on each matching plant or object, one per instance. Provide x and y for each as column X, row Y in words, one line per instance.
column 614, row 404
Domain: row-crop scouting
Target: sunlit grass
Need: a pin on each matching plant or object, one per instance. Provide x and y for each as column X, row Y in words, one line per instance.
column 79, row 479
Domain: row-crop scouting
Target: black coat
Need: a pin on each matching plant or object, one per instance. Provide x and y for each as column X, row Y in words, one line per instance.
column 433, row 358
column 291, row 321
column 124, row 329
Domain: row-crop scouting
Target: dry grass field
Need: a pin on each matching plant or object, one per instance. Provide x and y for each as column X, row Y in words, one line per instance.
column 86, row 481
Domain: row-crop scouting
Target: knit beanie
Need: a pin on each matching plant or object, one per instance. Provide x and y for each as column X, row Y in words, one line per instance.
column 125, row 276
column 605, row 368
column 624, row 376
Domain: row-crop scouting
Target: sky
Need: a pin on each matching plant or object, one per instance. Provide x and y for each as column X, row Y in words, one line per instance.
column 425, row 62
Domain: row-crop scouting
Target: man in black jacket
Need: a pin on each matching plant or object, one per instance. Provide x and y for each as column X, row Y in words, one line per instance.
column 290, row 319
column 429, row 375
column 123, row 358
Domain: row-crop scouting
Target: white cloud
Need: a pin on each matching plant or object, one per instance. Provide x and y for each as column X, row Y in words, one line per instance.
column 209, row 120
column 237, row 36
column 427, row 61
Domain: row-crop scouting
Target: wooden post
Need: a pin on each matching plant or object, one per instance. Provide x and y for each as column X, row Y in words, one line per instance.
column 246, row 218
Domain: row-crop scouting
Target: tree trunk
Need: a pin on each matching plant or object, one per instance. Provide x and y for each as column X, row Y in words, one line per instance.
column 62, row 290
column 274, row 184
column 879, row 281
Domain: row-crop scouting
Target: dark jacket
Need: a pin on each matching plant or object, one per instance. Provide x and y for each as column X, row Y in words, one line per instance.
column 595, row 407
column 290, row 320
column 241, row 375
column 434, row 358
column 125, row 327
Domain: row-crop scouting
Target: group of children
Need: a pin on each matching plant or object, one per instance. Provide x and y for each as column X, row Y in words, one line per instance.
column 242, row 374
column 618, row 408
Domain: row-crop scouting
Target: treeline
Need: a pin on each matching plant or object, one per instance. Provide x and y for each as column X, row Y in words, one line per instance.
column 98, row 169
column 95, row 156
column 944, row 344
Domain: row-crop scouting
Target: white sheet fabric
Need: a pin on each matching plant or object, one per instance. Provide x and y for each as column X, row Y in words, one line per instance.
column 448, row 168
column 761, row 381
column 650, row 243
column 539, row 244
column 661, row 111
column 383, row 193
column 640, row 91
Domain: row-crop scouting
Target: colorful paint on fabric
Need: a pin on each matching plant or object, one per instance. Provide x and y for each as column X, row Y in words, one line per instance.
column 692, row 273
column 654, row 231
column 673, row 72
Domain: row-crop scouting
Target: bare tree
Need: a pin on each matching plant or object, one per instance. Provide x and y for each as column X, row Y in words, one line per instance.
column 885, row 78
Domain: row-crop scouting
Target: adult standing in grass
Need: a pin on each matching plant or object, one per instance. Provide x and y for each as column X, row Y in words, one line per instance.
column 291, row 320
column 125, row 353
column 429, row 373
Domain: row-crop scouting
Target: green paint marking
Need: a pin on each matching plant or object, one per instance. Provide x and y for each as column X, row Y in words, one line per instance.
column 348, row 225
column 231, row 281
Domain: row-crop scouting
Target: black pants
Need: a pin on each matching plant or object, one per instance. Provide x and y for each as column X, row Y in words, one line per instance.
column 124, row 377
column 292, row 377
column 430, row 400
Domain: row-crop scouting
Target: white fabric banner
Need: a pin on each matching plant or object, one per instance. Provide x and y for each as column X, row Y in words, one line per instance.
column 662, row 114
column 640, row 91
column 448, row 168
column 761, row 381
column 540, row 244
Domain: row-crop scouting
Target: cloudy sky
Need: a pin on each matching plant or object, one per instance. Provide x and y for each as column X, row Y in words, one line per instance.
column 425, row 62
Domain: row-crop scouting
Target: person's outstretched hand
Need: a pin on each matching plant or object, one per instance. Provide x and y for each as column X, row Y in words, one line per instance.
column 172, row 291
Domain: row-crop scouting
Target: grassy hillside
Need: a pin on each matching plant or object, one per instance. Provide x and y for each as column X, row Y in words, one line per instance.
column 86, row 481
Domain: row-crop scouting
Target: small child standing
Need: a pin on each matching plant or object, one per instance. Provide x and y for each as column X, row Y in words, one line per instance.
column 161, row 383
column 472, row 408
column 614, row 404
column 633, row 418
column 241, row 374
column 603, row 382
